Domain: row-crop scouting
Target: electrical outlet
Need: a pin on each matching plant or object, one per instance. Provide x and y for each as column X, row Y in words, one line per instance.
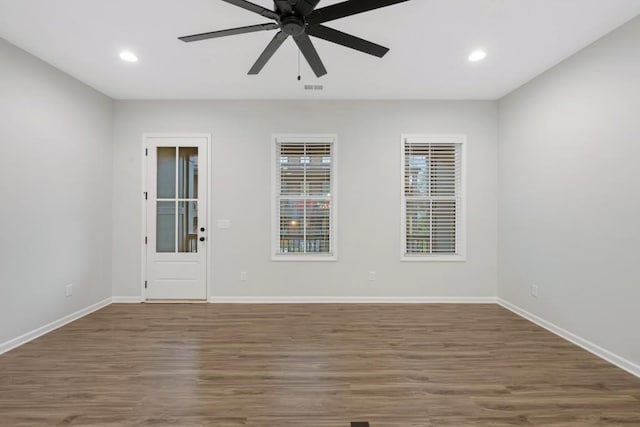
column 534, row 291
column 372, row 276
column 68, row 290
column 243, row 276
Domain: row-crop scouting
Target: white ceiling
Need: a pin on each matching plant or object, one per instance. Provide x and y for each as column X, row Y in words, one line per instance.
column 429, row 41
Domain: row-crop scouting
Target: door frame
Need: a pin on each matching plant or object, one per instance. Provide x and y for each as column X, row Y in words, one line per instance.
column 143, row 204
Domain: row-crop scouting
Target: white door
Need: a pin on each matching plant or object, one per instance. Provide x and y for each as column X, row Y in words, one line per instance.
column 176, row 213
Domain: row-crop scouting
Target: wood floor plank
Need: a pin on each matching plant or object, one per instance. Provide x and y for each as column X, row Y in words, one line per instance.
column 310, row 365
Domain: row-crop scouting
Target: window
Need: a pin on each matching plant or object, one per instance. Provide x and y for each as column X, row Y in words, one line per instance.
column 432, row 198
column 304, row 220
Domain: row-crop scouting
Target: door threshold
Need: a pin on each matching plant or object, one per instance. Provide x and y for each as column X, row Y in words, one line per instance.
column 175, row 301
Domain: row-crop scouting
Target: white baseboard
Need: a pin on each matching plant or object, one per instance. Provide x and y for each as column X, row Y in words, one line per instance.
column 352, row 300
column 610, row 357
column 127, row 300
column 595, row 349
column 30, row 336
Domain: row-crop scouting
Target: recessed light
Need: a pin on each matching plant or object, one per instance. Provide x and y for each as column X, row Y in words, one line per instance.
column 477, row 55
column 128, row 56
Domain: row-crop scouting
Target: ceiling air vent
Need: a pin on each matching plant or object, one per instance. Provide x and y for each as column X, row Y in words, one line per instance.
column 313, row 87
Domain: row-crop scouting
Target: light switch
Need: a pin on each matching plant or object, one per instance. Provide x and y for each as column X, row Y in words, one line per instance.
column 224, row 224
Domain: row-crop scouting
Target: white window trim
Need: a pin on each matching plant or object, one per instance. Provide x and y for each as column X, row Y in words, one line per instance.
column 461, row 229
column 275, row 220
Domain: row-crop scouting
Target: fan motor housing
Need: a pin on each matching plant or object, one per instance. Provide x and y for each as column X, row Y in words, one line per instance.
column 292, row 25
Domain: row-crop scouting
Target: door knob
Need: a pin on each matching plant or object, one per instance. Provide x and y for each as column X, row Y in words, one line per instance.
column 202, row 239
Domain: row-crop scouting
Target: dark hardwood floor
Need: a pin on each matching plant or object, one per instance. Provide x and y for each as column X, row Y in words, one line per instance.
column 310, row 366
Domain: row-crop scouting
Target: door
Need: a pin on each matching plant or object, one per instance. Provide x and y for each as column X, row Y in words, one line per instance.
column 176, row 217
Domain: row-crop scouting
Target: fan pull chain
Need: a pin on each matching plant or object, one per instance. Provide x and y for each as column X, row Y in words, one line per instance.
column 299, row 78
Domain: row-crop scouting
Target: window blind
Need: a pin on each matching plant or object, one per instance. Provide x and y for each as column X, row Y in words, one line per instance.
column 304, row 182
column 432, row 197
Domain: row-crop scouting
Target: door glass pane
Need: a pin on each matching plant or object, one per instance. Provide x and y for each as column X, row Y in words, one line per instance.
column 187, row 226
column 188, row 173
column 166, row 173
column 166, row 227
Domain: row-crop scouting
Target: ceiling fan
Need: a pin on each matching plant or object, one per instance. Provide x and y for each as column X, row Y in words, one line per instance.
column 300, row 19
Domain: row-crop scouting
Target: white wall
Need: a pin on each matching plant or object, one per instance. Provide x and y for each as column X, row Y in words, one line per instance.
column 55, row 193
column 369, row 195
column 569, row 173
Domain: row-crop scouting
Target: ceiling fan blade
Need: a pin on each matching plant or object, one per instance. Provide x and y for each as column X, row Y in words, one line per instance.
column 229, row 32
column 347, row 8
column 310, row 54
column 253, row 8
column 271, row 48
column 305, row 7
column 346, row 40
